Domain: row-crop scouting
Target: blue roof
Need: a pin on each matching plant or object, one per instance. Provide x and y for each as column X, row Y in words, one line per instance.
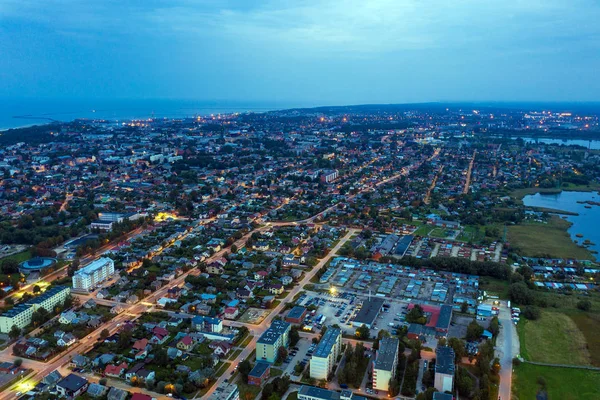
column 296, row 312
column 233, row 303
column 259, row 369
column 208, row 296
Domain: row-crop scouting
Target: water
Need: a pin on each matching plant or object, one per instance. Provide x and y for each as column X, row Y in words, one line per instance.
column 592, row 144
column 20, row 112
column 586, row 223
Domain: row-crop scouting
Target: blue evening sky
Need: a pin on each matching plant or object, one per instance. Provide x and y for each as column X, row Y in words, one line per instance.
column 317, row 51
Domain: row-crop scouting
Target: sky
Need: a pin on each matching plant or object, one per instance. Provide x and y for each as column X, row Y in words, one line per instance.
column 322, row 52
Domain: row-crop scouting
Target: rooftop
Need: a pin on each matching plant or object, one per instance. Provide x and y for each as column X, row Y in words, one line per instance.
column 444, row 360
column 276, row 329
column 327, row 342
column 369, row 311
column 318, row 393
column 94, row 266
column 296, row 312
column 259, row 369
column 386, row 355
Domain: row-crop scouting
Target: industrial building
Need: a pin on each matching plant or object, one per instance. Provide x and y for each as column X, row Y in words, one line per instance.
column 368, row 313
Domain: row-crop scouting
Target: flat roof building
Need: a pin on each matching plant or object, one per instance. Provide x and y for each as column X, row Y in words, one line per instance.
column 271, row 340
column 225, row 391
column 324, row 359
column 88, row 277
column 296, row 315
column 386, row 360
column 444, row 369
column 368, row 313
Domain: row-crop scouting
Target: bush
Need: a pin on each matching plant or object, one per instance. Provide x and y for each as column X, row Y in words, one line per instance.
column 584, row 305
column 532, row 313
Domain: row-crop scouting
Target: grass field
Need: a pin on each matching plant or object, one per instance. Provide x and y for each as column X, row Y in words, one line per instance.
column 561, row 383
column 19, row 257
column 423, row 230
column 589, row 325
column 536, row 239
column 554, row 338
column 494, row 286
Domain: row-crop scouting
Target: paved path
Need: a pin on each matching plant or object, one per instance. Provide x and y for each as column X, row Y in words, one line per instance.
column 507, row 347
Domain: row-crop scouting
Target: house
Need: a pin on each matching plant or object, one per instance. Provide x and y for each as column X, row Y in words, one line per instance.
column 79, row 361
column 103, row 294
column 52, row 378
column 66, row 340
column 115, row 370
column 276, row 288
column 231, row 313
column 185, row 343
column 220, row 348
column 67, row 317
column 215, row 269
column 141, row 344
column 94, row 322
column 140, row 396
column 174, row 353
column 244, row 294
column 139, row 373
column 159, row 335
column 259, row 374
column 286, row 280
column 117, row 309
column 260, row 275
column 117, row 394
column 207, row 324
column 72, row 386
column 96, row 390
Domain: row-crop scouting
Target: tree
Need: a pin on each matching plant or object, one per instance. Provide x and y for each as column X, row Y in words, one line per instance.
column 18, row 362
column 584, row 305
column 10, row 266
column 474, row 331
column 14, row 333
column 160, row 356
column 104, row 334
column 464, row 307
column 36, row 289
column 416, row 315
column 459, row 348
column 294, row 336
column 532, row 312
column 245, row 367
column 519, row 293
column 494, row 326
column 234, row 249
column 282, row 353
column 73, row 267
column 362, row 332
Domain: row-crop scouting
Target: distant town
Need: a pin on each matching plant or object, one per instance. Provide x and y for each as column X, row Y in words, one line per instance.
column 334, row 253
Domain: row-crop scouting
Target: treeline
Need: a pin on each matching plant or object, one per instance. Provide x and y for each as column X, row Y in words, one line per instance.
column 458, row 265
column 355, row 366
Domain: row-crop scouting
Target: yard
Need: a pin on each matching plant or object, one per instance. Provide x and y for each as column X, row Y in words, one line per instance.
column 561, row 383
column 554, row 338
column 551, row 239
column 494, row 286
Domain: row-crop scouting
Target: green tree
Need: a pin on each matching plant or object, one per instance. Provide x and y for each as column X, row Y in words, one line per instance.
column 474, row 331
column 584, row 305
column 244, row 368
column 104, row 334
column 362, row 332
column 36, row 289
column 282, row 353
column 14, row 332
column 494, row 326
column 294, row 336
column 464, row 307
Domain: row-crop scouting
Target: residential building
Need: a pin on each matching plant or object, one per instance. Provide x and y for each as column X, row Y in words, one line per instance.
column 444, row 369
column 324, row 359
column 72, row 386
column 296, row 315
column 271, row 340
column 88, row 277
column 384, row 366
column 316, row 393
column 207, row 324
column 259, row 374
column 20, row 315
column 225, row 391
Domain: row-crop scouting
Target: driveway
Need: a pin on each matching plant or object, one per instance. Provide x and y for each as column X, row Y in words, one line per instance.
column 507, row 347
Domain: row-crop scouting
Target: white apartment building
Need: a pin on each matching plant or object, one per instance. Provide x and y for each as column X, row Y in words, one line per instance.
column 88, row 277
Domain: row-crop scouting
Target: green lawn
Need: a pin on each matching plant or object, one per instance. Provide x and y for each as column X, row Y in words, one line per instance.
column 248, row 391
column 554, row 338
column 551, row 239
column 423, row 230
column 293, row 396
column 494, row 286
column 233, row 355
column 589, row 325
column 561, row 383
column 19, row 257
column 439, row 233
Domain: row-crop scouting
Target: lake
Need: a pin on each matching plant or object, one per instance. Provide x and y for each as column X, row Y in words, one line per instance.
column 592, row 144
column 586, row 223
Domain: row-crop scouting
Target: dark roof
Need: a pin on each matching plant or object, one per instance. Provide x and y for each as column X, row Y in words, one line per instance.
column 319, row 393
column 72, row 382
column 368, row 312
column 296, row 312
column 444, row 363
column 388, row 349
column 444, row 318
column 259, row 369
column 276, row 329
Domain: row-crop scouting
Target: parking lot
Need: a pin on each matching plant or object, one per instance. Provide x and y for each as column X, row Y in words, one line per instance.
column 303, row 346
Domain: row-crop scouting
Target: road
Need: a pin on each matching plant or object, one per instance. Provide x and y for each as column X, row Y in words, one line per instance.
column 259, row 329
column 469, row 171
column 507, row 347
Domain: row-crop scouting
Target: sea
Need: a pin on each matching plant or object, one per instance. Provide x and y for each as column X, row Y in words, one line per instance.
column 15, row 113
column 586, row 223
